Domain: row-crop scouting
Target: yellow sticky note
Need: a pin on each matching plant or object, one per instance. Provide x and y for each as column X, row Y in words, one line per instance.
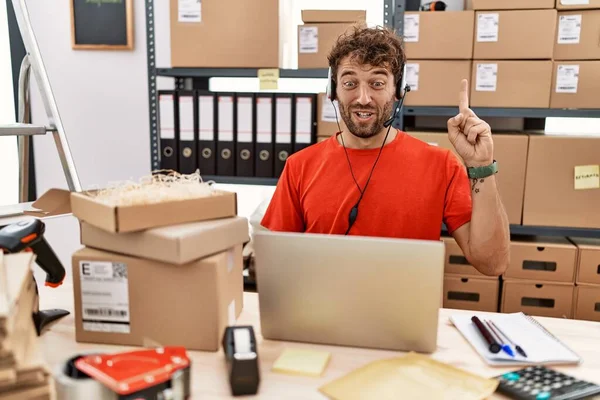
column 302, row 362
column 587, row 177
column 269, row 78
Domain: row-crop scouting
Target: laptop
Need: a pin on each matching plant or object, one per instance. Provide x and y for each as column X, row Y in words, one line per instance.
column 349, row 290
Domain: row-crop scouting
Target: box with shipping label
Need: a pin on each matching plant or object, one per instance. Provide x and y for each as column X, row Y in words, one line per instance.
column 137, row 302
column 575, row 84
column 578, row 35
column 435, row 82
column 577, row 4
column 587, row 303
column 177, row 244
column 320, row 31
column 514, row 35
column 242, row 42
column 541, row 299
column 439, row 35
column 562, row 184
column 588, row 261
column 131, row 218
column 551, row 259
column 457, row 264
column 511, row 4
column 468, row 293
column 510, row 151
column 315, row 41
column 328, row 117
column 511, row 83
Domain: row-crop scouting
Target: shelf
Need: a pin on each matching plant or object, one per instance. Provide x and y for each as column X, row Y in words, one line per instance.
column 505, row 112
column 237, row 73
column 240, row 180
column 548, row 231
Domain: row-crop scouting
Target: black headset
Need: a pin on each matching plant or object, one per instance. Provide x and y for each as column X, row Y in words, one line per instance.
column 401, row 89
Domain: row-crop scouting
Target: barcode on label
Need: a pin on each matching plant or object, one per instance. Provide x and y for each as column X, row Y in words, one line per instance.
column 487, row 86
column 119, row 270
column 105, row 312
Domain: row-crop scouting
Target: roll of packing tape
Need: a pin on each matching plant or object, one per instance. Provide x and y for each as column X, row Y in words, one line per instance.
column 72, row 384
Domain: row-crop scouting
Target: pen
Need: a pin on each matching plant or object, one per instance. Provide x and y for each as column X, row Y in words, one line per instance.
column 494, row 347
column 506, row 348
column 519, row 348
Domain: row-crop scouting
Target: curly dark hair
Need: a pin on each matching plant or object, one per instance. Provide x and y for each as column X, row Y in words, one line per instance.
column 379, row 46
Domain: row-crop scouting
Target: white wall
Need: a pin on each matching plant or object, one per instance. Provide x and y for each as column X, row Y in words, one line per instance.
column 9, row 160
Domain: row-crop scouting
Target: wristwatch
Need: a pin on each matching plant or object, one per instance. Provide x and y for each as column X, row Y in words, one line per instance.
column 482, row 172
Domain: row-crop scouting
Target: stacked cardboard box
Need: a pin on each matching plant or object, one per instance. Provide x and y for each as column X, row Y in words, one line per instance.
column 576, row 69
column 166, row 274
column 512, row 53
column 23, row 374
column 439, row 49
column 320, row 31
column 540, row 279
column 464, row 286
column 586, row 300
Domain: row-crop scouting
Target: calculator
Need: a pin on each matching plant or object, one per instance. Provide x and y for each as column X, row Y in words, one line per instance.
column 541, row 383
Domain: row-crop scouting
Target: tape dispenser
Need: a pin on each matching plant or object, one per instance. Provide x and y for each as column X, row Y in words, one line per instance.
column 156, row 374
column 241, row 356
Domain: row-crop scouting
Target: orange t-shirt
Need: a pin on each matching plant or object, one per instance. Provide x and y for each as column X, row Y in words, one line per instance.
column 414, row 188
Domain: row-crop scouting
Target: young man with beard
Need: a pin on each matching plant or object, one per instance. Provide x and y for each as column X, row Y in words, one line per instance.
column 411, row 187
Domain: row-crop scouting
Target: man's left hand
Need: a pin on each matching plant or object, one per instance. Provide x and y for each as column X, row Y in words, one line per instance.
column 470, row 136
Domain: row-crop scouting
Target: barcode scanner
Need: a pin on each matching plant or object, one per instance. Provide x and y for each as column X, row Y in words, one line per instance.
column 29, row 236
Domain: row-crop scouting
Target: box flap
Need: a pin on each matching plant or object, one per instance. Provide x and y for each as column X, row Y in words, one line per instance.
column 313, row 16
column 53, row 202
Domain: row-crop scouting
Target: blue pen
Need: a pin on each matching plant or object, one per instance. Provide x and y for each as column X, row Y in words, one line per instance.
column 505, row 347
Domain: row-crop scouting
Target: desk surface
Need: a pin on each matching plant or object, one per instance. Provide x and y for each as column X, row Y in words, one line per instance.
column 208, row 369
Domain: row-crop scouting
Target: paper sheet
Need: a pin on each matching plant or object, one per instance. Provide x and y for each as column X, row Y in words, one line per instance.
column 414, row 376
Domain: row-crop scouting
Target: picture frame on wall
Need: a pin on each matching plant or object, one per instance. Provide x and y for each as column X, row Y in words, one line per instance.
column 101, row 24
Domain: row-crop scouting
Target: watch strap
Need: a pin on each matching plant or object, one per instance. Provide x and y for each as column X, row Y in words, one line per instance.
column 482, row 172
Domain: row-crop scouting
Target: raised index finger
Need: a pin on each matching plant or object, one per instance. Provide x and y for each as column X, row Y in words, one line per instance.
column 463, row 104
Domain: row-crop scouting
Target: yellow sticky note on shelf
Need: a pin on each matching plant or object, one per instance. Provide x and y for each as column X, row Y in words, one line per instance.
column 587, row 177
column 302, row 362
column 269, row 79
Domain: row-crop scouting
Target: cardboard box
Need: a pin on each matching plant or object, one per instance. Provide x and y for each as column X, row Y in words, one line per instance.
column 588, row 260
column 540, row 299
column 511, row 84
column 439, row 35
column 511, row 4
column 317, row 16
column 587, row 303
column 575, row 84
column 578, row 36
column 550, row 259
column 577, row 4
column 514, row 35
column 177, row 244
column 144, row 301
column 456, row 263
column 223, row 35
column 471, row 293
column 510, row 150
column 315, row 42
column 327, row 114
column 562, row 184
column 136, row 218
column 435, row 82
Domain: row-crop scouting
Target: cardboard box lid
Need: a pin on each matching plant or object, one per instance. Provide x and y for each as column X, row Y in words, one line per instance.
column 178, row 244
column 53, row 202
column 313, row 16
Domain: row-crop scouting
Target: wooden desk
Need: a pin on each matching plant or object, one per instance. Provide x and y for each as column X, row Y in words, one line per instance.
column 208, row 369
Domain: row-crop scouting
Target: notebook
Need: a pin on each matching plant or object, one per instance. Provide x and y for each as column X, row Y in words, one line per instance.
column 540, row 345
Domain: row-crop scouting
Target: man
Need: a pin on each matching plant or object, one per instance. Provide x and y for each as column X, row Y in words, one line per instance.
column 411, row 187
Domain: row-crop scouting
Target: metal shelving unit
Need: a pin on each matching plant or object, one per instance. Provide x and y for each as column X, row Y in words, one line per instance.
column 393, row 16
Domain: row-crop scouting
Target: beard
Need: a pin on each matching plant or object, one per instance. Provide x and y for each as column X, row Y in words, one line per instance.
column 365, row 129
